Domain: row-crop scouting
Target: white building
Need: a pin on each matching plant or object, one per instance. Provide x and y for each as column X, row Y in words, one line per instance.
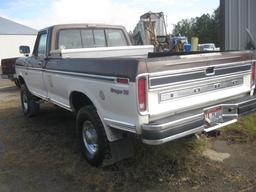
column 12, row 35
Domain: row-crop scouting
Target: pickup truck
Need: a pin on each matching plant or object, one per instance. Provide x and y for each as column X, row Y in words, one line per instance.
column 118, row 90
column 7, row 70
column 208, row 47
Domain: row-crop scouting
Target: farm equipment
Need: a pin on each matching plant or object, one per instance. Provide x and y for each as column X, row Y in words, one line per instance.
column 152, row 30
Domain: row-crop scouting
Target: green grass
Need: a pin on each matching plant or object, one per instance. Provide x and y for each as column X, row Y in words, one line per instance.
column 152, row 164
column 175, row 150
column 243, row 131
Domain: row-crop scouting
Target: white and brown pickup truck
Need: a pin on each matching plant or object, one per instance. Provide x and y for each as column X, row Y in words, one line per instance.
column 118, row 90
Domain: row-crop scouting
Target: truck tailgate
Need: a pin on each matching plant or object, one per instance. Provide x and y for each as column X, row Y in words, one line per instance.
column 180, row 83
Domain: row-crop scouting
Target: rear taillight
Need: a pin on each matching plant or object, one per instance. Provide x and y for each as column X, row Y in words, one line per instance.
column 253, row 74
column 142, row 94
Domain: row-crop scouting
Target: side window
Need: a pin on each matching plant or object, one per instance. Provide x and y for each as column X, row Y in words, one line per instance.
column 70, row 39
column 87, row 38
column 115, row 37
column 99, row 37
column 41, row 48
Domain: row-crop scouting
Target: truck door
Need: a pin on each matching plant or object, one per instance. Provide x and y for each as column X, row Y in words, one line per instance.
column 36, row 64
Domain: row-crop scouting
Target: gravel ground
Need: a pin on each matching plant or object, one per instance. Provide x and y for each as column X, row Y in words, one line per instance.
column 40, row 154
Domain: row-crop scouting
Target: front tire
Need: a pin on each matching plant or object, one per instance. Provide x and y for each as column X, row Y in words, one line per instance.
column 91, row 136
column 29, row 105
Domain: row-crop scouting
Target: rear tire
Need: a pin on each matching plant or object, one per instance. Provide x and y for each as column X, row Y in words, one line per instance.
column 91, row 136
column 29, row 104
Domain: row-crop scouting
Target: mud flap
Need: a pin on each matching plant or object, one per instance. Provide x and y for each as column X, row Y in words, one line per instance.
column 119, row 150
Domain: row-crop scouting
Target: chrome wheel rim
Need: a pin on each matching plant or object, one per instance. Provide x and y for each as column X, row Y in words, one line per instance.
column 90, row 138
column 25, row 102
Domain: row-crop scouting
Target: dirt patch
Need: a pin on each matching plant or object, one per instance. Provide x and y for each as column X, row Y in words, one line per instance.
column 40, row 154
column 215, row 156
column 7, row 90
column 5, row 83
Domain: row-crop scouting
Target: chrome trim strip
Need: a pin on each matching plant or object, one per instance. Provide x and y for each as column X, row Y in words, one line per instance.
column 192, row 83
column 237, row 104
column 230, row 115
column 166, row 96
column 60, row 104
column 198, row 80
column 35, row 69
column 202, row 72
column 201, row 55
column 246, row 101
column 120, row 125
column 39, row 95
column 202, row 60
column 220, row 125
column 172, row 123
column 52, row 100
column 196, row 75
column 173, row 137
column 168, row 72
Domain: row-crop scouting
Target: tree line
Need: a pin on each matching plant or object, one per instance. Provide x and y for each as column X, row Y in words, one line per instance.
column 206, row 28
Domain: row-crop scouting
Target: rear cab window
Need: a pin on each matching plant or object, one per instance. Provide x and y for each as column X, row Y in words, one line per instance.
column 115, row 37
column 90, row 38
column 70, row 39
column 99, row 38
column 87, row 38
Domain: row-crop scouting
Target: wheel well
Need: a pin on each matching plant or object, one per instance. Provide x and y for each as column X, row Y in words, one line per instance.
column 21, row 80
column 78, row 100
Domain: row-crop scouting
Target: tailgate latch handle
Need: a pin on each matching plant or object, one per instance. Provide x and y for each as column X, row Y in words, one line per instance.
column 210, row 71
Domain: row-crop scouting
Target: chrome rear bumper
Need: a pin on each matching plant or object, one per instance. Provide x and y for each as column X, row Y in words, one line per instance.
column 184, row 124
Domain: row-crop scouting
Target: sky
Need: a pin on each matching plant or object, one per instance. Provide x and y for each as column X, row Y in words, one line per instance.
column 42, row 13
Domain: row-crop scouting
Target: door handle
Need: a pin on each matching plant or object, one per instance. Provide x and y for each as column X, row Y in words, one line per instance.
column 40, row 63
column 210, row 71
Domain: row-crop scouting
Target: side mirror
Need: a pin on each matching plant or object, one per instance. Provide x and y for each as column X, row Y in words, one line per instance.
column 24, row 50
